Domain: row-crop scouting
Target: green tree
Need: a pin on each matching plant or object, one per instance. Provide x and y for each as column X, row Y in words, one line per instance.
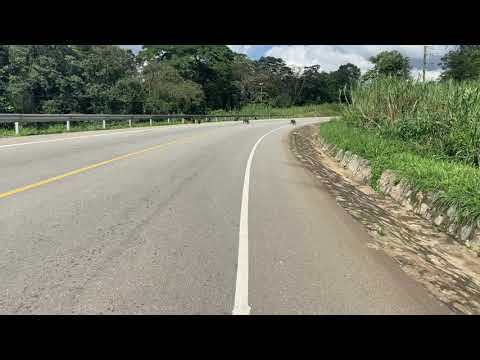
column 317, row 86
column 462, row 63
column 103, row 66
column 344, row 78
column 167, row 92
column 4, row 75
column 277, row 79
column 389, row 63
column 211, row 66
column 39, row 73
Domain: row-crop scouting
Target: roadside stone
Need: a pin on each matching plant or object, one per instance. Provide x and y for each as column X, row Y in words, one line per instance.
column 332, row 149
column 452, row 229
column 452, row 213
column 439, row 220
column 364, row 172
column 386, row 181
column 339, row 155
column 354, row 164
column 476, row 234
column 397, row 192
column 465, row 232
column 425, row 211
column 346, row 158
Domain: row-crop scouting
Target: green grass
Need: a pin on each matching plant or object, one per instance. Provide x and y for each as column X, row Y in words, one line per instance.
column 293, row 111
column 457, row 183
column 442, row 118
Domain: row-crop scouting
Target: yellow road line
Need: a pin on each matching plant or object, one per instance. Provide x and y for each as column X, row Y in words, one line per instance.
column 90, row 167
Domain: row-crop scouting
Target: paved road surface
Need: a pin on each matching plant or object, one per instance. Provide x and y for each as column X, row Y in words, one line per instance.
column 146, row 221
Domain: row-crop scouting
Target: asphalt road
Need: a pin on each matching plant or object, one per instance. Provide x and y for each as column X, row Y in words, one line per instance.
column 146, row 221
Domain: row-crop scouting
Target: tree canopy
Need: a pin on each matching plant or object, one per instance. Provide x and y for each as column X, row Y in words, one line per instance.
column 462, row 63
column 389, row 63
column 159, row 79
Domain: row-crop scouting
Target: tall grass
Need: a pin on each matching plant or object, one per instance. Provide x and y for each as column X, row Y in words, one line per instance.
column 293, row 111
column 442, row 119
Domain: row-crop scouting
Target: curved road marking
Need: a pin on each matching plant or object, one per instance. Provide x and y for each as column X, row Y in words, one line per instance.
column 241, row 306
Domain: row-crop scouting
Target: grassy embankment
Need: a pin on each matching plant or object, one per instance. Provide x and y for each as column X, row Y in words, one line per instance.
column 428, row 133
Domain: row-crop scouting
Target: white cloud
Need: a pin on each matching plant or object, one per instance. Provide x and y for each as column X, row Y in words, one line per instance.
column 134, row 48
column 243, row 49
column 330, row 57
column 429, row 75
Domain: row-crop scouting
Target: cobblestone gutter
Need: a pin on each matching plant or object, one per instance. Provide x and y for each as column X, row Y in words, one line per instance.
column 403, row 224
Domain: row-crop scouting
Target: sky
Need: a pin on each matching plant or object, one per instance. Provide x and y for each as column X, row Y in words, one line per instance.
column 330, row 57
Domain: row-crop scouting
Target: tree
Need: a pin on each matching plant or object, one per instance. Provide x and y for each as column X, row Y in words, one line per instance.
column 344, row 78
column 103, row 66
column 4, row 74
column 245, row 81
column 389, row 63
column 317, row 86
column 128, row 96
column 277, row 79
column 211, row 66
column 167, row 92
column 40, row 73
column 462, row 63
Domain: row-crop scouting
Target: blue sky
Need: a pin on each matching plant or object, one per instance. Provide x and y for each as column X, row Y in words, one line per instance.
column 330, row 57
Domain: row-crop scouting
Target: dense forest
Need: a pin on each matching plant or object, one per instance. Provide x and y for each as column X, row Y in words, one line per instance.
column 159, row 79
column 184, row 78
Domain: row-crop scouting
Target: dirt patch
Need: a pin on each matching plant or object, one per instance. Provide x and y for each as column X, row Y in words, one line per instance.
column 449, row 270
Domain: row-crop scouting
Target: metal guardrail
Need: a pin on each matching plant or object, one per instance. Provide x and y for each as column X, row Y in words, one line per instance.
column 18, row 119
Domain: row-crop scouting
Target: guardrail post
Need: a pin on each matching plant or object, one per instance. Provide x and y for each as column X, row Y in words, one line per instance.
column 68, row 125
column 104, row 124
column 17, row 128
column 168, row 120
column 151, row 122
column 183, row 121
column 130, row 122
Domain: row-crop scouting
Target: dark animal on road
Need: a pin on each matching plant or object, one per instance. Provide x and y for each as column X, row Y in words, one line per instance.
column 246, row 121
column 293, row 122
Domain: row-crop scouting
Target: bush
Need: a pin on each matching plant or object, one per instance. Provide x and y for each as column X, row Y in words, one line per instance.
column 438, row 118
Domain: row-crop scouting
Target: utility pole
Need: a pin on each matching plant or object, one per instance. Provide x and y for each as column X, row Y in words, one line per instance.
column 424, row 60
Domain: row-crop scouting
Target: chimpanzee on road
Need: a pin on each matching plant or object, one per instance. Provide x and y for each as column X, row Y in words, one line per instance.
column 293, row 122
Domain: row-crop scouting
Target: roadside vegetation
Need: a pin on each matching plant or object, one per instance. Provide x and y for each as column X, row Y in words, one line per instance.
column 427, row 132
column 160, row 79
column 457, row 183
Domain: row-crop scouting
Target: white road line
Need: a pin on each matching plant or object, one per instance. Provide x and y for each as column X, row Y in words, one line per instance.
column 241, row 306
column 110, row 133
column 71, row 138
